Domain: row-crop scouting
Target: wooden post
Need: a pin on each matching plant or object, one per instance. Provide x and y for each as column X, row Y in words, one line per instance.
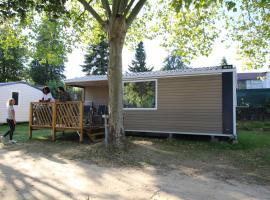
column 81, row 120
column 53, row 121
column 106, row 128
column 30, row 120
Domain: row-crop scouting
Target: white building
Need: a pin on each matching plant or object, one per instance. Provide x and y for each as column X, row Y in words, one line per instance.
column 251, row 80
column 23, row 93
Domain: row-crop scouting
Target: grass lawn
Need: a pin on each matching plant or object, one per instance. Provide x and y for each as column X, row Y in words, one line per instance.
column 21, row 132
column 249, row 160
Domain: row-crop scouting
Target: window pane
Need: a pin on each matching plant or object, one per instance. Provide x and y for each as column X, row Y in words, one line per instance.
column 15, row 95
column 140, row 94
column 242, row 85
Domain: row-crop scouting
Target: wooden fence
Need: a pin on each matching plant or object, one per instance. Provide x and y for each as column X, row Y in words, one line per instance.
column 58, row 116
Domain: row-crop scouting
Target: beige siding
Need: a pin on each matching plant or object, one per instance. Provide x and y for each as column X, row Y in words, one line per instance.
column 97, row 94
column 184, row 104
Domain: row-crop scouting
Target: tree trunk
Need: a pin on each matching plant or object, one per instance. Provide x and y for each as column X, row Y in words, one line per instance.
column 116, row 37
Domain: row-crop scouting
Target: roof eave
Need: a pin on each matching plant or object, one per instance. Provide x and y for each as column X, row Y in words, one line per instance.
column 151, row 76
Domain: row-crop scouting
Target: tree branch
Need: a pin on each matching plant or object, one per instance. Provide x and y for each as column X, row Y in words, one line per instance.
column 92, row 12
column 128, row 7
column 122, row 6
column 135, row 12
column 78, row 18
column 106, row 6
column 115, row 7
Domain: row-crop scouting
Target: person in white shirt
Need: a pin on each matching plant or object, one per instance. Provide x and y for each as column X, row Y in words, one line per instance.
column 47, row 95
column 10, row 120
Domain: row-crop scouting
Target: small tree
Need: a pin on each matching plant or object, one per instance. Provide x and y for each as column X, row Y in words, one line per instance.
column 223, row 61
column 173, row 62
column 97, row 59
column 139, row 64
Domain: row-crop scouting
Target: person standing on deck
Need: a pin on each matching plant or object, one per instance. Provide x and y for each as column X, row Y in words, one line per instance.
column 47, row 95
column 10, row 120
column 63, row 95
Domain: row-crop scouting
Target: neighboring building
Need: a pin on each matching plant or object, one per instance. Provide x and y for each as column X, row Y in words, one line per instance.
column 23, row 93
column 251, row 80
column 195, row 101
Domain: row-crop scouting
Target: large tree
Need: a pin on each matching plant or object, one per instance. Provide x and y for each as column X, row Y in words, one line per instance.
column 50, row 40
column 186, row 25
column 43, row 73
column 12, row 65
column 139, row 63
column 12, row 53
column 97, row 59
column 49, row 50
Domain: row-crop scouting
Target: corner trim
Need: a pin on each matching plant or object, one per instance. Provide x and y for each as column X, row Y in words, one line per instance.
column 234, row 104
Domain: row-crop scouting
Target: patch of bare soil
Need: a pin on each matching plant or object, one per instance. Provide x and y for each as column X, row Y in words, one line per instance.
column 145, row 169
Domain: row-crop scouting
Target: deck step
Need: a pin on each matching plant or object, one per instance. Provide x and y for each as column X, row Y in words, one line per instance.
column 96, row 134
column 98, row 140
column 99, row 133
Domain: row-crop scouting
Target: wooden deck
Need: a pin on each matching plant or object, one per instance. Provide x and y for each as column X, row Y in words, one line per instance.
column 62, row 116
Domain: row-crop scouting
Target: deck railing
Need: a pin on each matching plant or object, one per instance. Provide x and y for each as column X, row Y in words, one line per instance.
column 58, row 116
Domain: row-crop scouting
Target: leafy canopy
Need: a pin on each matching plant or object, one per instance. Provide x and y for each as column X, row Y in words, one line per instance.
column 12, row 52
column 188, row 26
column 250, row 28
column 51, row 40
column 43, row 73
column 50, row 45
column 180, row 26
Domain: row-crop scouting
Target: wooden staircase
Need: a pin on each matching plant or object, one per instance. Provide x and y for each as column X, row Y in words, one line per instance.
column 95, row 133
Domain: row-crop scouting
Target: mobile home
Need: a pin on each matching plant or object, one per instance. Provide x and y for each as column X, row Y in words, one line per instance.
column 23, row 93
column 196, row 101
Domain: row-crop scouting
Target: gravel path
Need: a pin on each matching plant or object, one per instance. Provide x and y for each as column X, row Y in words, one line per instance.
column 32, row 176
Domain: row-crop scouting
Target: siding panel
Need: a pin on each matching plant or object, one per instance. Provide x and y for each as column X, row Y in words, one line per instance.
column 97, row 94
column 185, row 104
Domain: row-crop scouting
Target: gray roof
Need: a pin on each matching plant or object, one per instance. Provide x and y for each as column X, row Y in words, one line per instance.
column 156, row 74
column 17, row 82
column 250, row 75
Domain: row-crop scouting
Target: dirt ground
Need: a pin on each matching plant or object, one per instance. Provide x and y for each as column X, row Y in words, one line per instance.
column 35, row 171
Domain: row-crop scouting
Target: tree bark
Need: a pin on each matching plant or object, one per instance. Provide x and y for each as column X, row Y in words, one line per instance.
column 116, row 38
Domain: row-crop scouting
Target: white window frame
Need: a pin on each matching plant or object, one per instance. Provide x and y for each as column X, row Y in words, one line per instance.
column 156, row 93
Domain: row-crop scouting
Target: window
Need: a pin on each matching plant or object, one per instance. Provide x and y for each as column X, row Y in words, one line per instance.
column 254, row 84
column 140, row 95
column 15, row 96
column 242, row 84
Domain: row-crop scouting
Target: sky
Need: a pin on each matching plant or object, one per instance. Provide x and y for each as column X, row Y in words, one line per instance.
column 155, row 55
